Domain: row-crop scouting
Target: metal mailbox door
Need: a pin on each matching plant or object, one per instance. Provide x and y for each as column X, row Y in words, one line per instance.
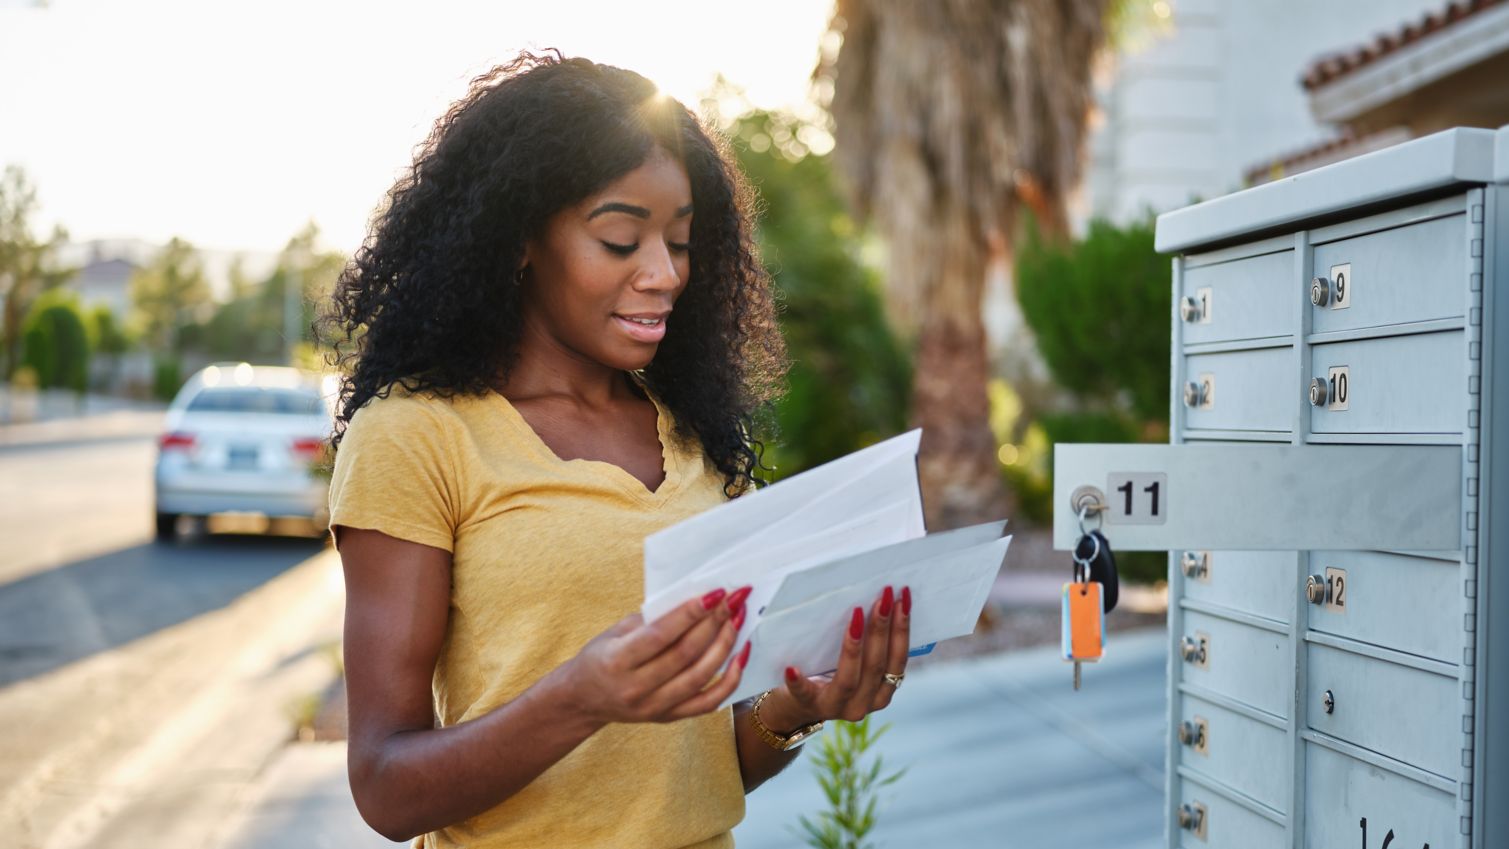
column 1256, row 497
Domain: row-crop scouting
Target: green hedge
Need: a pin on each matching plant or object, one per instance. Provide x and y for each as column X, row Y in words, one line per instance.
column 55, row 342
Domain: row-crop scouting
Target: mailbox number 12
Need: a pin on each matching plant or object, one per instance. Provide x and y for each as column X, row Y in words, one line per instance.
column 1139, row 498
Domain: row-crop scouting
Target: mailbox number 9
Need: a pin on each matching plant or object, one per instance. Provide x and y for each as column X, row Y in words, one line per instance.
column 1341, row 278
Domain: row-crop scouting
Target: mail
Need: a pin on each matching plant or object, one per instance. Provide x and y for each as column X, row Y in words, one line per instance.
column 816, row 546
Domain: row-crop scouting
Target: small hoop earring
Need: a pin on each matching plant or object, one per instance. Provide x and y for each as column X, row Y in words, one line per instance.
column 518, row 277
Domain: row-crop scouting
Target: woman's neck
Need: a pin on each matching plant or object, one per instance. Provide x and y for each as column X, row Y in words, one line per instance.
column 544, row 366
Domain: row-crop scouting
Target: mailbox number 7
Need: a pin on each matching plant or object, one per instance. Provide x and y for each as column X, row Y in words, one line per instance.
column 1141, row 498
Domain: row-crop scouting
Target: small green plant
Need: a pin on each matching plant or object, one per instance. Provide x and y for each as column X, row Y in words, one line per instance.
column 851, row 788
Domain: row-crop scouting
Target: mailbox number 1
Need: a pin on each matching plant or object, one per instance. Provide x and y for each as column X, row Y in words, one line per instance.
column 1141, row 498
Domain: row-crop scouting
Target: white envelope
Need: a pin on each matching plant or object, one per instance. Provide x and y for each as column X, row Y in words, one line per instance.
column 949, row 590
column 857, row 502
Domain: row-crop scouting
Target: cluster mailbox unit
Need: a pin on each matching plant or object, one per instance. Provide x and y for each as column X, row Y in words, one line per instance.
column 1337, row 468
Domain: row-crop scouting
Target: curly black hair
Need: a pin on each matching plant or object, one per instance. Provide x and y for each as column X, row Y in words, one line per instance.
column 427, row 301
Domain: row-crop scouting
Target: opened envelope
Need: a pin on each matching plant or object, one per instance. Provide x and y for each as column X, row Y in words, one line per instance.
column 950, row 575
column 826, row 540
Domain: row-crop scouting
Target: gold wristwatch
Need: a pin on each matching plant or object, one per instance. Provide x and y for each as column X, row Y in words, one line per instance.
column 776, row 741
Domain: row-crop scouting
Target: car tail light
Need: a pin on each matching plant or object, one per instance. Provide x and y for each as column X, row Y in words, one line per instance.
column 176, row 441
column 308, row 448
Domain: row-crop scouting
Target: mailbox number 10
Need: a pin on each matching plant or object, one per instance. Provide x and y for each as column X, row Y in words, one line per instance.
column 1339, row 385
column 1138, row 498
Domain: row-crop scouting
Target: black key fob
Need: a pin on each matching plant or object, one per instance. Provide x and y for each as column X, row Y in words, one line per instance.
column 1103, row 569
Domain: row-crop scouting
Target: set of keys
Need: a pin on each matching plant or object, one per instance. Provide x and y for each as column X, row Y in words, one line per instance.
column 1091, row 594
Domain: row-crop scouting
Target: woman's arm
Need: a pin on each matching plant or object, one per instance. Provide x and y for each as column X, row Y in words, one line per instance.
column 759, row 761
column 407, row 776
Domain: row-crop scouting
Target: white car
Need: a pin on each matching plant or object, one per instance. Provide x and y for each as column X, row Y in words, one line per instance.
column 245, row 439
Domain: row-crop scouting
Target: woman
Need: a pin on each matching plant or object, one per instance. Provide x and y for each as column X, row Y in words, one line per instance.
column 556, row 337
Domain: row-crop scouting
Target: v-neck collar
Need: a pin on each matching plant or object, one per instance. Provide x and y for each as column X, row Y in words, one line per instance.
column 669, row 461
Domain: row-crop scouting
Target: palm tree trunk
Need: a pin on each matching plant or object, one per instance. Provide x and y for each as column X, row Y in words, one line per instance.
column 961, row 478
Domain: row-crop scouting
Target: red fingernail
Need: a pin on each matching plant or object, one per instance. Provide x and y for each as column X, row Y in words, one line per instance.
column 711, row 600
column 906, row 600
column 744, row 656
column 736, row 600
column 739, row 619
column 887, row 599
column 857, row 624
column 791, row 673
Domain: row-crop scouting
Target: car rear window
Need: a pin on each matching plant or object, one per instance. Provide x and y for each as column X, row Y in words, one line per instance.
column 252, row 399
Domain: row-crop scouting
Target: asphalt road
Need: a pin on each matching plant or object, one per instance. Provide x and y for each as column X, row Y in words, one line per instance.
column 80, row 572
column 106, row 635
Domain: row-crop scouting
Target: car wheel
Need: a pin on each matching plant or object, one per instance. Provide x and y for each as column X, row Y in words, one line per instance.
column 167, row 526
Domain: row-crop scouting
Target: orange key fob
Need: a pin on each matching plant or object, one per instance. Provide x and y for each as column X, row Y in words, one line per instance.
column 1084, row 624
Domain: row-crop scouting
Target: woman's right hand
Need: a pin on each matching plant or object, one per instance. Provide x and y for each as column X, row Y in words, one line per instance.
column 663, row 671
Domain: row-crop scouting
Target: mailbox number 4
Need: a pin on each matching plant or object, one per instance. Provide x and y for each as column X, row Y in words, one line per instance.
column 1138, row 498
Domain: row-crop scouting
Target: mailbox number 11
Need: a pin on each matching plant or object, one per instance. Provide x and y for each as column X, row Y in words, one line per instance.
column 1140, row 498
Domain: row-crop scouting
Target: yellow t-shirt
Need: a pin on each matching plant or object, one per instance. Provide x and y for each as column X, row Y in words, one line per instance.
column 546, row 554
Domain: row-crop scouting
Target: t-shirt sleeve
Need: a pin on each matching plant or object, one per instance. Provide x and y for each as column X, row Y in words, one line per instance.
column 394, row 473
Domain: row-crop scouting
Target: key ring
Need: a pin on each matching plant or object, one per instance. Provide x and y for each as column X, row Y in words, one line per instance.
column 1082, row 566
column 1084, row 510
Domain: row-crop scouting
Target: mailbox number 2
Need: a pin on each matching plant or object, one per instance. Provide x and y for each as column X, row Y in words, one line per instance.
column 1138, row 498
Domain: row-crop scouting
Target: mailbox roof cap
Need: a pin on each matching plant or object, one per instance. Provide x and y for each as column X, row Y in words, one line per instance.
column 1456, row 157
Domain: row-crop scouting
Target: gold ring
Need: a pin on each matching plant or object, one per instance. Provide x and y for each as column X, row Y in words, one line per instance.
column 893, row 679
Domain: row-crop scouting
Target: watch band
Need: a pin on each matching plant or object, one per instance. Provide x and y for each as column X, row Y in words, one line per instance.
column 776, row 741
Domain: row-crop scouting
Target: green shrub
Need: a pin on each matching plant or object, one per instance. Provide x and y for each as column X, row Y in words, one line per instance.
column 1099, row 308
column 167, row 378
column 56, row 342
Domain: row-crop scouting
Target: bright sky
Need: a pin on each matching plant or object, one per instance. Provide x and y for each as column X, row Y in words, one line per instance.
column 232, row 124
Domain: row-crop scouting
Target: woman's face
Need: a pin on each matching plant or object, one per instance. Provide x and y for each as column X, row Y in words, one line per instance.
column 604, row 275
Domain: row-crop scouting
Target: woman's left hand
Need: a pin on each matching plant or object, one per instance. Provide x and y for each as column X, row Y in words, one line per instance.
column 859, row 686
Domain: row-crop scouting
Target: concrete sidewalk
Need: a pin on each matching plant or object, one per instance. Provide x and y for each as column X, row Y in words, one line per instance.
column 999, row 752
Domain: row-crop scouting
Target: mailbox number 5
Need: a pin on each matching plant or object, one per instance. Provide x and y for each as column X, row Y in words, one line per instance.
column 1138, row 498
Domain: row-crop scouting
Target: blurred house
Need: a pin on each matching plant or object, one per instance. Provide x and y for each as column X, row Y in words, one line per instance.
column 1446, row 68
column 1213, row 96
column 1232, row 92
column 104, row 277
column 106, row 280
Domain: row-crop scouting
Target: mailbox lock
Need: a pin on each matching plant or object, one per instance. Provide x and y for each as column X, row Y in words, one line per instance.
column 1320, row 291
column 1192, row 818
column 1320, row 393
column 1315, row 590
column 1194, row 394
column 1191, row 310
column 1328, row 701
column 1194, row 564
column 1192, row 734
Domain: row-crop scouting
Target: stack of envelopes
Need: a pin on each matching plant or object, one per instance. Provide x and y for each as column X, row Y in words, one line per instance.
column 816, row 546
